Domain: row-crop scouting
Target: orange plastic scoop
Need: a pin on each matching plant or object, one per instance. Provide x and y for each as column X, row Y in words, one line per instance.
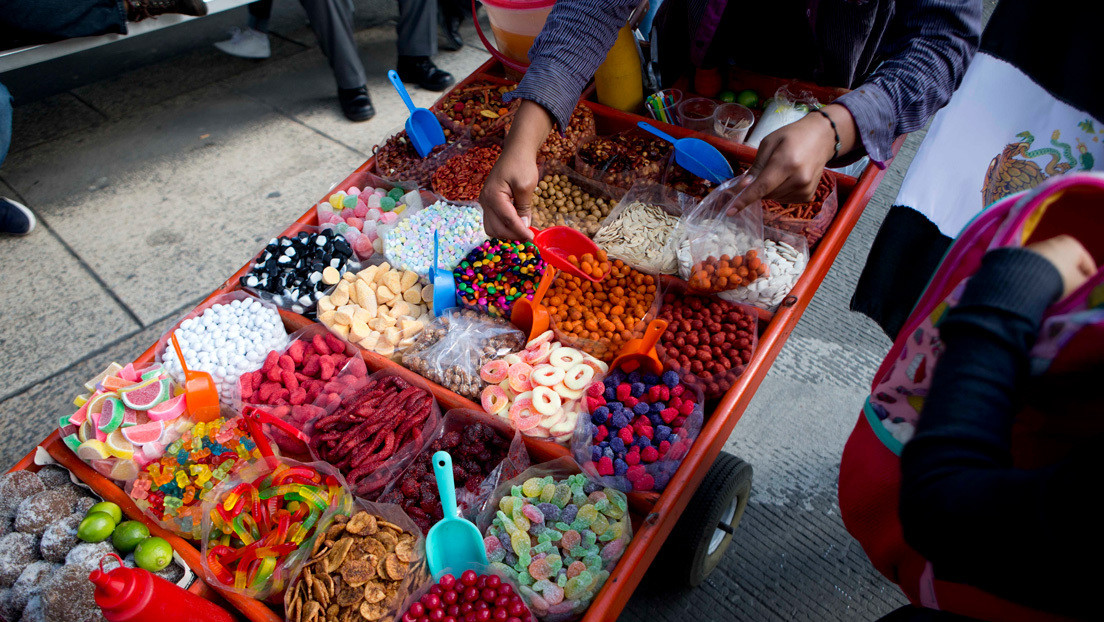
column 556, row 244
column 641, row 353
column 531, row 316
column 200, row 393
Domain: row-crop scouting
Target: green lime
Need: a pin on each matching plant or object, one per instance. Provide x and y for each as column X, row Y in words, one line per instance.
column 749, row 98
column 96, row 527
column 153, row 554
column 108, row 508
column 727, row 97
column 128, row 534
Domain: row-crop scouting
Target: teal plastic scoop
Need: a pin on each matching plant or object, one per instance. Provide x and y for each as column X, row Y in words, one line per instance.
column 454, row 542
column 423, row 128
column 695, row 155
column 443, row 282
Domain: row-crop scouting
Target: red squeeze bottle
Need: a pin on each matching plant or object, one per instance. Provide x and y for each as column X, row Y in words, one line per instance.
column 136, row 595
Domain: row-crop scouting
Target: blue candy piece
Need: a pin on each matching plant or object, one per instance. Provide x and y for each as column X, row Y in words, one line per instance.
column 570, row 510
column 661, row 433
column 671, row 379
column 650, row 379
column 641, row 408
column 615, row 407
column 610, row 393
column 604, row 444
column 617, row 445
column 618, row 421
column 595, row 454
column 658, row 407
column 600, row 415
column 655, row 419
column 620, row 466
column 615, row 378
column 637, row 389
column 642, row 442
column 633, row 377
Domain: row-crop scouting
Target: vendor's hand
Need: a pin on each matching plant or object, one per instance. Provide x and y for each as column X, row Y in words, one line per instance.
column 791, row 159
column 1069, row 257
column 507, row 194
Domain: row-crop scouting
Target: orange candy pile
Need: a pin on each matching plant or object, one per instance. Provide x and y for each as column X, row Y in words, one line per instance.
column 714, row 274
column 608, row 313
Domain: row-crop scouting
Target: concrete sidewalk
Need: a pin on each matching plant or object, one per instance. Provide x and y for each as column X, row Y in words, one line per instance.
column 158, row 166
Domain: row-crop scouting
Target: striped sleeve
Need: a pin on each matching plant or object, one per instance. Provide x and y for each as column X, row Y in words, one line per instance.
column 573, row 43
column 926, row 54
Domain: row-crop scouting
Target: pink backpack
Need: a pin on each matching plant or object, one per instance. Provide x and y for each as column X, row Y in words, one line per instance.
column 1071, row 339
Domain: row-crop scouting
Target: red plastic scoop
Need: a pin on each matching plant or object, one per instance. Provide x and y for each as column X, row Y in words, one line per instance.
column 530, row 315
column 556, row 244
column 641, row 353
column 201, row 394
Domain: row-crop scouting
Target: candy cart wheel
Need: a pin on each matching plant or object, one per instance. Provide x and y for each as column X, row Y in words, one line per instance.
column 704, row 531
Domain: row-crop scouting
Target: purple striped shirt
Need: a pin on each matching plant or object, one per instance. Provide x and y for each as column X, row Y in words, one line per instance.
column 903, row 58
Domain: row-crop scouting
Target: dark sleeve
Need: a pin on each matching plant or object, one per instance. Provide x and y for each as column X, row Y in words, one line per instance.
column 926, row 53
column 574, row 41
column 1023, row 535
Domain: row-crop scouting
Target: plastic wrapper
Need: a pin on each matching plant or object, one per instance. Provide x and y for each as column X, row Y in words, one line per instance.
column 566, row 198
column 372, row 428
column 783, row 109
column 485, row 450
column 810, row 219
column 434, row 587
column 396, row 160
column 560, row 147
column 709, row 340
column 717, row 251
column 356, row 216
column 219, row 353
column 251, row 515
column 291, row 379
column 786, row 254
column 408, row 242
column 623, row 159
column 640, row 230
column 462, row 176
column 477, row 108
column 269, row 273
column 638, row 447
column 682, row 180
column 454, row 347
column 588, row 525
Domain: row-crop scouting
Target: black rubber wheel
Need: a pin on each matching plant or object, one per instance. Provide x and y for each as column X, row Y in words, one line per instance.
column 704, row 531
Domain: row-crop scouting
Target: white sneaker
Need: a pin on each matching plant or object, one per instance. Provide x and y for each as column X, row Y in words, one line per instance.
column 246, row 43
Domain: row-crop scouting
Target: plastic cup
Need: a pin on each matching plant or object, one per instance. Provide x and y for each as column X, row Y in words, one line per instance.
column 696, row 114
column 663, row 105
column 516, row 23
column 732, row 121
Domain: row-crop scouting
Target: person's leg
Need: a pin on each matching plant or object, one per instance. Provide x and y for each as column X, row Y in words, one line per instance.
column 417, row 32
column 251, row 41
column 5, row 122
column 450, row 14
column 332, row 21
column 66, row 18
column 15, row 218
column 259, row 14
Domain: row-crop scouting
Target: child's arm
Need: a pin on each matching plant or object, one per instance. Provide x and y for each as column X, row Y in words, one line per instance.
column 1024, row 535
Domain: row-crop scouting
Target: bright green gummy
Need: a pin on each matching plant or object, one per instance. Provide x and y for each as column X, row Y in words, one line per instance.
column 349, row 201
column 543, row 547
column 577, row 585
column 387, row 204
column 555, row 562
column 561, row 496
column 544, row 537
column 562, row 526
column 395, row 193
column 589, row 538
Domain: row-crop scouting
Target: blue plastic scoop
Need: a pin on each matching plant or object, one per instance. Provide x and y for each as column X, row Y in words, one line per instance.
column 443, row 281
column 695, row 155
column 454, row 542
column 422, row 127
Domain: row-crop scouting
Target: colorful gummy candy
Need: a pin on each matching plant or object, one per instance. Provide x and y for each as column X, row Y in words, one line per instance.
column 558, row 539
column 496, row 273
column 125, row 420
column 257, row 523
column 641, row 425
column 172, row 488
column 356, row 213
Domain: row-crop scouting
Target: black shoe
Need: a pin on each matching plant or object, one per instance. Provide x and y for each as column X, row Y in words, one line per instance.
column 138, row 10
column 450, row 39
column 421, row 71
column 356, row 104
column 15, row 218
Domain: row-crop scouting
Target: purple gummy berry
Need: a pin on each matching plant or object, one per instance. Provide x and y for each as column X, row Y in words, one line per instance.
column 671, row 379
column 615, row 407
column 661, row 433
column 610, row 393
column 600, row 415
column 504, row 538
column 658, row 407
column 608, row 452
column 511, row 558
column 642, row 442
column 637, row 389
column 661, row 480
column 617, row 445
column 641, row 408
column 633, row 377
column 619, row 467
column 595, row 454
column 655, row 419
column 591, row 487
column 615, row 378
column 650, row 379
column 604, row 444
column 570, row 510
column 619, row 421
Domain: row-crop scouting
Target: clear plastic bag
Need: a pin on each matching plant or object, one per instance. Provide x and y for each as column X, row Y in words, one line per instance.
column 560, row 147
column 661, row 430
column 623, row 159
column 397, row 161
column 461, row 177
column 268, row 282
column 287, row 390
column 810, row 219
column 708, row 340
column 408, row 243
column 566, row 198
column 600, row 522
column 640, row 230
column 270, row 336
column 784, row 108
column 237, row 519
column 473, row 451
column 353, row 213
column 454, row 347
column 370, row 552
column 435, row 588
column 786, row 254
column 716, row 251
column 372, row 427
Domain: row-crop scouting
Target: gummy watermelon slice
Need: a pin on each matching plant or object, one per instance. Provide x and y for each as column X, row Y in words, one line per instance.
column 168, row 410
column 111, row 415
column 146, row 395
column 78, row 417
column 146, row 433
column 72, row 442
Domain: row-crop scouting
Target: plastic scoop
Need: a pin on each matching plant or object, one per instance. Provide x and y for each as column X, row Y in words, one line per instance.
column 695, row 155
column 454, row 542
column 641, row 353
column 443, row 281
column 556, row 244
column 422, row 127
column 531, row 315
column 200, row 393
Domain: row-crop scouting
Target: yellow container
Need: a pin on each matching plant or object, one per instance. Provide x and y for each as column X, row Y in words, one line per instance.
column 619, row 80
